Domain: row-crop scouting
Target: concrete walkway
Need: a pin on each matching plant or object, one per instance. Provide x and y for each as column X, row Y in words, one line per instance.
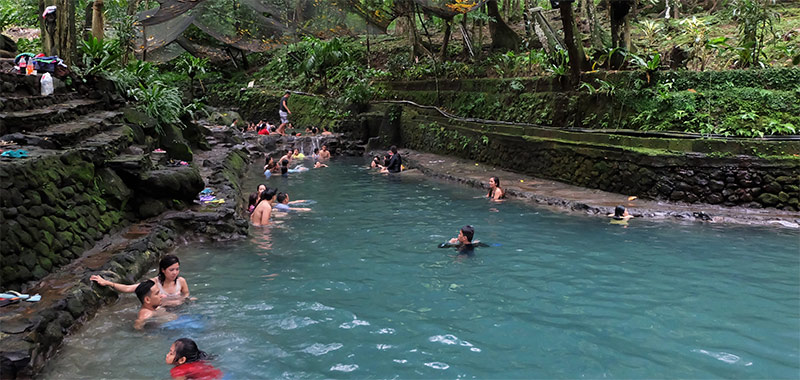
column 564, row 197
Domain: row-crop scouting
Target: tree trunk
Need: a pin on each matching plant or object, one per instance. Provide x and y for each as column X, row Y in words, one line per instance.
column 446, row 40
column 502, row 36
column 86, row 33
column 58, row 30
column 97, row 20
column 620, row 27
column 595, row 35
column 575, row 59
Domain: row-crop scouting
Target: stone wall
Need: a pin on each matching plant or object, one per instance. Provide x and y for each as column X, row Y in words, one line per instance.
column 655, row 168
column 54, row 207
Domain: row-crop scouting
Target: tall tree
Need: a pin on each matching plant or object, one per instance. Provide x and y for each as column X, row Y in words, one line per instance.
column 97, row 20
column 575, row 58
column 619, row 11
column 58, row 29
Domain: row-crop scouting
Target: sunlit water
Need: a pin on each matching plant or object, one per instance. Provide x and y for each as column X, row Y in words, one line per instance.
column 358, row 289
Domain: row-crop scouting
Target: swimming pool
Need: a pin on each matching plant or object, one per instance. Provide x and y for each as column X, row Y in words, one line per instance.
column 358, row 289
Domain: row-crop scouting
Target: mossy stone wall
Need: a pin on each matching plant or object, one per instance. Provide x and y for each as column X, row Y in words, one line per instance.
column 673, row 169
column 53, row 209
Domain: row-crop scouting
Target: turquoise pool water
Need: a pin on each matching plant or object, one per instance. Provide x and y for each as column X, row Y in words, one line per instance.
column 358, row 289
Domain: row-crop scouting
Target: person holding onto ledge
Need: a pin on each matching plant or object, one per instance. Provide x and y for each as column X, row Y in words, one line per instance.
column 496, row 192
column 170, row 285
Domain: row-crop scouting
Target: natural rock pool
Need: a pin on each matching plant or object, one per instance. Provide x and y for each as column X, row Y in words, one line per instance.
column 358, row 289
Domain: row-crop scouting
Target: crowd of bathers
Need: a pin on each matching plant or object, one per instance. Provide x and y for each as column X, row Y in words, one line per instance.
column 169, row 289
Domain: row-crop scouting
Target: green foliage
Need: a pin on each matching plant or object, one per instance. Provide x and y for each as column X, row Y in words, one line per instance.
column 19, row 13
column 99, row 56
column 558, row 63
column 159, row 101
column 192, row 66
column 755, row 27
column 25, row 45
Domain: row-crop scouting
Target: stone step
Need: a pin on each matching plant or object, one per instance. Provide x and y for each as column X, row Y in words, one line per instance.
column 107, row 145
column 40, row 118
column 73, row 132
column 22, row 103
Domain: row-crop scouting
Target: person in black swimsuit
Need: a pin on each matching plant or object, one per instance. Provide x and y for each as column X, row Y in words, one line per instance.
column 463, row 243
column 395, row 163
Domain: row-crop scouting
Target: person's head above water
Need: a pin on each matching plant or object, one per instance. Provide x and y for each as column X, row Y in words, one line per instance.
column 283, row 198
column 148, row 293
column 168, row 269
column 466, row 233
column 185, row 350
column 316, row 150
column 620, row 212
column 261, row 187
column 284, row 163
column 494, row 182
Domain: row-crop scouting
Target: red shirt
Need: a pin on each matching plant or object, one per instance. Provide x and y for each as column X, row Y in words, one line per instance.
column 196, row 370
column 263, row 131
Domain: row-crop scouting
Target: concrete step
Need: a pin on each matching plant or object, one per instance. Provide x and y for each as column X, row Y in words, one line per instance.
column 40, row 118
column 78, row 130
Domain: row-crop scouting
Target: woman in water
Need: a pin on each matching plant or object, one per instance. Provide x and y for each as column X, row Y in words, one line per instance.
column 253, row 201
column 173, row 288
column 189, row 361
column 269, row 167
column 496, row 192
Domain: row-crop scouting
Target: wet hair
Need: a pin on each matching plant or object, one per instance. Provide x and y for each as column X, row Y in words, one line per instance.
column 165, row 263
column 316, row 150
column 393, row 149
column 143, row 290
column 468, row 232
column 253, row 199
column 619, row 211
column 284, row 163
column 496, row 181
column 281, row 197
column 271, row 193
column 187, row 348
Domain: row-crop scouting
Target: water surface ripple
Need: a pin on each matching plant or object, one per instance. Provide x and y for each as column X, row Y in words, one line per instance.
column 358, row 289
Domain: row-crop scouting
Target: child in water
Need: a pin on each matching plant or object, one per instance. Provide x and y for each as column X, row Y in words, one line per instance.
column 189, row 362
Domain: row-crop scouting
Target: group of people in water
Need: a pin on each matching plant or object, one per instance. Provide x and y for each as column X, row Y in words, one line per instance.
column 167, row 289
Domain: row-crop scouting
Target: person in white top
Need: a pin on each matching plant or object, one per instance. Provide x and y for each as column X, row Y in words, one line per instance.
column 171, row 286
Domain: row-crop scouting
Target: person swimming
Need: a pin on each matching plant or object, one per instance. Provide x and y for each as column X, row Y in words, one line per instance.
column 171, row 286
column 190, row 362
column 283, row 204
column 496, row 192
column 463, row 243
column 620, row 215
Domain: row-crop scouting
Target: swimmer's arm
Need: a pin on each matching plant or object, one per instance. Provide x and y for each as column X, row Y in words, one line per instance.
column 122, row 288
column 184, row 288
column 300, row 201
column 304, row 209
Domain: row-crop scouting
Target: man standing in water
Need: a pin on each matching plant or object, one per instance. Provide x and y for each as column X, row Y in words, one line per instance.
column 260, row 216
column 324, row 154
column 284, row 112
